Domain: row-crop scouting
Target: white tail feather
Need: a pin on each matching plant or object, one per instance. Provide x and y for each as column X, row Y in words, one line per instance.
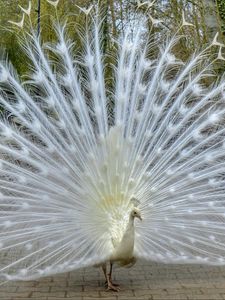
column 68, row 176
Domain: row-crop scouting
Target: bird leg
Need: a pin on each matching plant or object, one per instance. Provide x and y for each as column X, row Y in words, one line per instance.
column 110, row 286
column 110, row 275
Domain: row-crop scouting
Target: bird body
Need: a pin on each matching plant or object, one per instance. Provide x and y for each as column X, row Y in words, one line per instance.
column 80, row 161
column 123, row 244
column 124, row 249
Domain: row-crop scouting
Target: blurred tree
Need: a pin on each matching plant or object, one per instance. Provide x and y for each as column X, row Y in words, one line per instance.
column 221, row 12
column 206, row 15
column 211, row 18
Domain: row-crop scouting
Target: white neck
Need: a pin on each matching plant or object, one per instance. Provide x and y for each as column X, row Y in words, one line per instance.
column 131, row 221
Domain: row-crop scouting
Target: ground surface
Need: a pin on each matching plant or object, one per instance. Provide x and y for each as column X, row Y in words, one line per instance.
column 143, row 281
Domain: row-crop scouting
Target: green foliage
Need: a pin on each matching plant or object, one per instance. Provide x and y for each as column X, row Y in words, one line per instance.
column 221, row 10
column 117, row 15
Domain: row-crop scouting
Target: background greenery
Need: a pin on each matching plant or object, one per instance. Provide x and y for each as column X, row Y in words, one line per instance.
column 208, row 16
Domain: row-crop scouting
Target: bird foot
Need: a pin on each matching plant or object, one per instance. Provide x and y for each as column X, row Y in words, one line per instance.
column 113, row 287
column 115, row 284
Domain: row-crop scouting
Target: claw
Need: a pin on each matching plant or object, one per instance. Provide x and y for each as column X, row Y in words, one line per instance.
column 112, row 287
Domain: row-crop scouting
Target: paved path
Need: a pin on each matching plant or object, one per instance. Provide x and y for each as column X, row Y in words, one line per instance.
column 143, row 281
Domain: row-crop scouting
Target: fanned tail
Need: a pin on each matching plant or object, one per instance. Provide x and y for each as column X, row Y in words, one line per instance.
column 67, row 174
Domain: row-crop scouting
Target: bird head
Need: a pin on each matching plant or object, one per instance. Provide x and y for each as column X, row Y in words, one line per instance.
column 136, row 213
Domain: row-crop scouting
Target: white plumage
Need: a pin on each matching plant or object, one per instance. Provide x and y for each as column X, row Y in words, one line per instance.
column 74, row 156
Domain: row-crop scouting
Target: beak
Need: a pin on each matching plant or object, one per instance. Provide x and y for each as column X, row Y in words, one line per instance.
column 140, row 218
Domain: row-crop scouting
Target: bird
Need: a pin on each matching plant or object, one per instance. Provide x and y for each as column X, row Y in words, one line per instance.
column 123, row 244
column 94, row 174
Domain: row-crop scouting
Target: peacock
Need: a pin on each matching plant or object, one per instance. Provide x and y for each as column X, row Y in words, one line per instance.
column 97, row 175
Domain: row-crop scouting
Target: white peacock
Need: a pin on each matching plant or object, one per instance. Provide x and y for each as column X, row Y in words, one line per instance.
column 79, row 162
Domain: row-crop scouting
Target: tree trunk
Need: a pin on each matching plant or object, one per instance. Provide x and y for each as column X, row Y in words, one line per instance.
column 211, row 18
